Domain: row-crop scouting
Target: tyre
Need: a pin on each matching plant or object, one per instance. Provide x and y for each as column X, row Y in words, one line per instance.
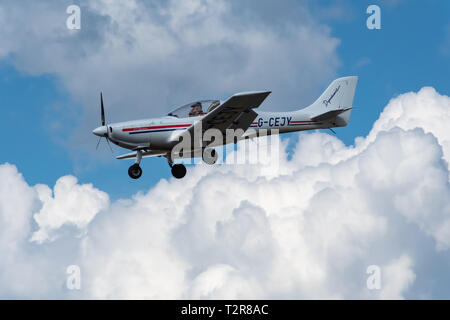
column 135, row 171
column 178, row 171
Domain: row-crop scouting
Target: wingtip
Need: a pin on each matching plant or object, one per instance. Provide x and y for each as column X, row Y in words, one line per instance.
column 245, row 93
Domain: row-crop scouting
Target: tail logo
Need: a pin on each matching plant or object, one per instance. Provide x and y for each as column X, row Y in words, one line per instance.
column 327, row 102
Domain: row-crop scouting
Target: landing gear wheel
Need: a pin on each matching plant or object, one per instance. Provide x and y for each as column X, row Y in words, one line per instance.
column 135, row 171
column 209, row 156
column 178, row 171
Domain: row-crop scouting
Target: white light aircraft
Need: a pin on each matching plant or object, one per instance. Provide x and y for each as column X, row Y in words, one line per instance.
column 159, row 136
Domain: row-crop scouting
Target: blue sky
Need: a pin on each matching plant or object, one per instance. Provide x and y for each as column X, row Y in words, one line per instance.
column 40, row 113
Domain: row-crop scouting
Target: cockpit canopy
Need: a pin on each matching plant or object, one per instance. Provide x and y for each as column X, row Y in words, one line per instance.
column 195, row 109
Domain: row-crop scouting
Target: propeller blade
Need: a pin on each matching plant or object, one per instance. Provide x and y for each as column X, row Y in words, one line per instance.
column 103, row 108
column 98, row 143
column 107, row 140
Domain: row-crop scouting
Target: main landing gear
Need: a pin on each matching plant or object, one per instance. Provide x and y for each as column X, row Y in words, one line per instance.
column 135, row 171
column 178, row 170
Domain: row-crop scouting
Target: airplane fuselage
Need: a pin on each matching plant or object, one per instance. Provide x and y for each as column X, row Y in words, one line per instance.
column 157, row 133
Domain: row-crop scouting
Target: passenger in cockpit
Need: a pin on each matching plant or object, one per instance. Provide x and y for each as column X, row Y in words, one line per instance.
column 196, row 110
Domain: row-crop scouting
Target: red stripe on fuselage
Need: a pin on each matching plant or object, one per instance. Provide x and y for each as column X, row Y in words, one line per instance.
column 157, row 127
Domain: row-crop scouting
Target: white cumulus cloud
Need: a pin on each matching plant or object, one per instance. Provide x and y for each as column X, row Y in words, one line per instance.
column 397, row 276
column 69, row 203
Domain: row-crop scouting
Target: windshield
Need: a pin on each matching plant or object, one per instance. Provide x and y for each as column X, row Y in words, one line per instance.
column 194, row 109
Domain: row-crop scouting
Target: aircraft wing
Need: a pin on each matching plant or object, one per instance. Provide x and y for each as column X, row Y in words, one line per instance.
column 158, row 153
column 234, row 113
column 152, row 153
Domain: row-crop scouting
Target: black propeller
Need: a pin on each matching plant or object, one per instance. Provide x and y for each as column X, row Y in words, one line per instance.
column 102, row 108
column 106, row 136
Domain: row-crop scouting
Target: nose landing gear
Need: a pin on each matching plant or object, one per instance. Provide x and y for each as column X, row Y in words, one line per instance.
column 135, row 171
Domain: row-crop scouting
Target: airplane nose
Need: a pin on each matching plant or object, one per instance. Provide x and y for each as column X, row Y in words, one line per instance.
column 100, row 131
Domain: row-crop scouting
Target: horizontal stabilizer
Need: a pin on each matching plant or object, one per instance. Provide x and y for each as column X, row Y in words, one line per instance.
column 330, row 114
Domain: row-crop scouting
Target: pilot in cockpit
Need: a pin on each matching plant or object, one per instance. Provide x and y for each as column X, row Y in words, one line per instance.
column 196, row 110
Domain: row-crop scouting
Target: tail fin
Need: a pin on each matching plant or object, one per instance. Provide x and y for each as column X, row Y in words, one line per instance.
column 335, row 102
